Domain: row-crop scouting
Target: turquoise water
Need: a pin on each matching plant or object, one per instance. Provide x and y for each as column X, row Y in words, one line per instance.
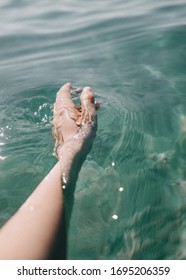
column 130, row 199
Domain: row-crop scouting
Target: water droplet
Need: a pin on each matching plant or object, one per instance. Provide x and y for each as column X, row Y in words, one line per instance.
column 64, row 178
column 115, row 217
column 2, row 158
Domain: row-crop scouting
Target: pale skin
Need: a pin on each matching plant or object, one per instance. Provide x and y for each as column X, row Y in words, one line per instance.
column 30, row 232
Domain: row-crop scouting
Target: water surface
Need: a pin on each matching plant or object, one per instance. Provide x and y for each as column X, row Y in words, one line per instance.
column 131, row 192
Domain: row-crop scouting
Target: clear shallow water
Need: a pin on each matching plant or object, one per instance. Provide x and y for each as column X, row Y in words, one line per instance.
column 131, row 192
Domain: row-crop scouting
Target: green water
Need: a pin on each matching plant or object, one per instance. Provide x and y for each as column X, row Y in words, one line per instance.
column 130, row 199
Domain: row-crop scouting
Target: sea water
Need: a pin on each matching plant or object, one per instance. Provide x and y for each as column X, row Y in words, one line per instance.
column 130, row 197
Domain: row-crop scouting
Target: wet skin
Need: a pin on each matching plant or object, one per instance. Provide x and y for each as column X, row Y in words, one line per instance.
column 72, row 125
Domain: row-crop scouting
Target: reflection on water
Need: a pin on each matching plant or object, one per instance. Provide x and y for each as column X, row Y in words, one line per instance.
column 131, row 191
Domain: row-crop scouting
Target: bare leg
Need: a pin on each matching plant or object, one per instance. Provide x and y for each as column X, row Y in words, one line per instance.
column 30, row 233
